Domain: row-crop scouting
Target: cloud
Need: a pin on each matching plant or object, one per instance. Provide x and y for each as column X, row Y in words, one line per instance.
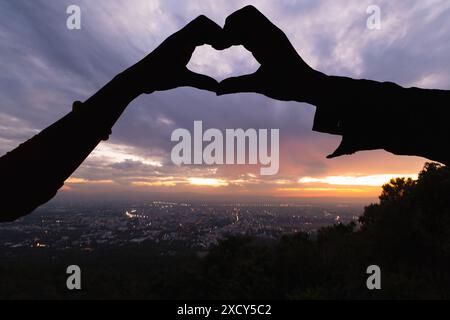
column 232, row 62
column 45, row 67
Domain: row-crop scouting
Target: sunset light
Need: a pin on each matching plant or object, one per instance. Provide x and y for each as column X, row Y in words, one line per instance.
column 208, row 182
column 372, row 180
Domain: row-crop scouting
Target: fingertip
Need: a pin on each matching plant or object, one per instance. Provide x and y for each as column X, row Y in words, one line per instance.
column 250, row 8
column 220, row 93
column 201, row 19
column 221, row 45
column 224, row 90
column 201, row 81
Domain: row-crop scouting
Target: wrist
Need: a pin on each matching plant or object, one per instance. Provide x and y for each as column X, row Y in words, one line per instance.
column 111, row 100
column 132, row 83
column 314, row 87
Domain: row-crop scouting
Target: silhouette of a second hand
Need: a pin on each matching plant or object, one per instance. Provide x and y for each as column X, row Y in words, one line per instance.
column 283, row 75
column 361, row 111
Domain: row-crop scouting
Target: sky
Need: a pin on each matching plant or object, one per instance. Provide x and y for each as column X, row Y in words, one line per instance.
column 45, row 67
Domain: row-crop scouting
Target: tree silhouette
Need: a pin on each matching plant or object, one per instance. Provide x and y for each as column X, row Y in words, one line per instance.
column 407, row 234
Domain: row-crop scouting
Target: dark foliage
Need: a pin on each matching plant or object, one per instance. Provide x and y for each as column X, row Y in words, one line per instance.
column 407, row 234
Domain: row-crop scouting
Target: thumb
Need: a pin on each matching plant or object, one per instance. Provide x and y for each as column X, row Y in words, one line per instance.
column 247, row 83
column 199, row 81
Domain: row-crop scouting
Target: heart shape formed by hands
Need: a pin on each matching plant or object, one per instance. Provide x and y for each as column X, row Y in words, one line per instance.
column 282, row 74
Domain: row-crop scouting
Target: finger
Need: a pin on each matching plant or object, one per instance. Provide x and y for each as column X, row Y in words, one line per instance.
column 247, row 83
column 250, row 28
column 199, row 81
column 203, row 30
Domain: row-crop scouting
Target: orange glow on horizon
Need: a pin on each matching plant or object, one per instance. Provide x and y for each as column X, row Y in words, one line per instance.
column 371, row 180
column 209, row 182
column 154, row 183
column 362, row 186
column 86, row 181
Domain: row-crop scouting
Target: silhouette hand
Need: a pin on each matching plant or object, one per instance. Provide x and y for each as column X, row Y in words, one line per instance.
column 165, row 68
column 283, row 74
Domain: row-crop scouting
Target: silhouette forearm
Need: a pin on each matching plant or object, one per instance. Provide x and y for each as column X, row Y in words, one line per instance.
column 373, row 115
column 32, row 173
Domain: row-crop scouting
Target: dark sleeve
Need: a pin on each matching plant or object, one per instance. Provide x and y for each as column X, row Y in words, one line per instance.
column 371, row 115
column 31, row 174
